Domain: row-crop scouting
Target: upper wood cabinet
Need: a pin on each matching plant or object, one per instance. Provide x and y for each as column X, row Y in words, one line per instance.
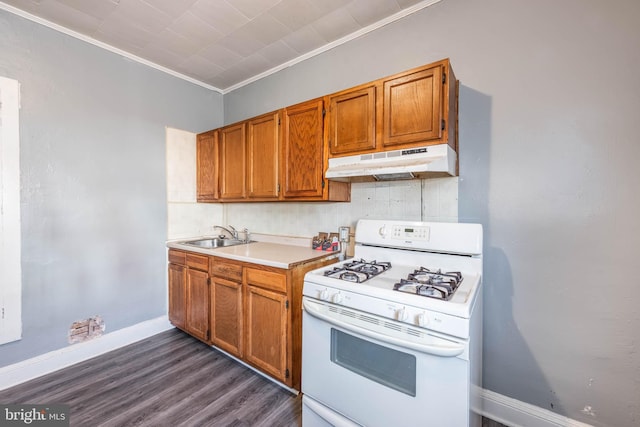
column 352, row 120
column 241, row 161
column 283, row 155
column 207, row 166
column 303, row 150
column 414, row 108
column 233, row 161
column 263, row 152
column 304, row 156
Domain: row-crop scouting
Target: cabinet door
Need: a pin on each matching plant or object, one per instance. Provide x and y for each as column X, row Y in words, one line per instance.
column 226, row 315
column 198, row 303
column 266, row 332
column 232, row 162
column 303, row 150
column 263, row 142
column 207, row 166
column 352, row 121
column 412, row 110
column 178, row 295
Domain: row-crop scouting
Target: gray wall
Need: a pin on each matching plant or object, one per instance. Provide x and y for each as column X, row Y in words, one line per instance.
column 549, row 128
column 93, row 198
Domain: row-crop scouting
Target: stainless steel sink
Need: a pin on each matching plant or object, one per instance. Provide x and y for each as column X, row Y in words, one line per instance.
column 215, row 242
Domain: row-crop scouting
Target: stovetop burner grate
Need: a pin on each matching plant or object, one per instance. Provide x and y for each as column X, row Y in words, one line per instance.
column 358, row 271
column 428, row 283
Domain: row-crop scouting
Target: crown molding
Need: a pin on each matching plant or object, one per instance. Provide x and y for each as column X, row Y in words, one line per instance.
column 376, row 25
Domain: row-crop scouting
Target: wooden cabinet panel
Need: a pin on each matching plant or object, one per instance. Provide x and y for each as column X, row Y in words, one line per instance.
column 198, row 262
column 178, row 295
column 207, row 166
column 303, row 152
column 413, row 107
column 226, row 315
column 266, row 332
column 352, row 121
column 225, row 269
column 177, row 257
column 267, row 279
column 198, row 304
column 232, row 162
column 263, row 150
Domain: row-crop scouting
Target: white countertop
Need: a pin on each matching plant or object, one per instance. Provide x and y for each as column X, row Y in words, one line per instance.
column 264, row 253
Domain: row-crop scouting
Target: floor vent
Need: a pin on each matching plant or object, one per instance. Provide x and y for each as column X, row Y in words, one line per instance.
column 84, row 330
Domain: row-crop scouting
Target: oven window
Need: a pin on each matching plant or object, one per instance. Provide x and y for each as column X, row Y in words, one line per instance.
column 383, row 365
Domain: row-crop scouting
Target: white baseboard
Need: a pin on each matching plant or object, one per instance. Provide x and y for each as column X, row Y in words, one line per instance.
column 49, row 362
column 515, row 413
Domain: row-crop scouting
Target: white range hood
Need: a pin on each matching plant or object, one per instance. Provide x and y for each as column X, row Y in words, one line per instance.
column 432, row 160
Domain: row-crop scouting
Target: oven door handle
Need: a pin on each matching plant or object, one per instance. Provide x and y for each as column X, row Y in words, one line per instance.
column 451, row 350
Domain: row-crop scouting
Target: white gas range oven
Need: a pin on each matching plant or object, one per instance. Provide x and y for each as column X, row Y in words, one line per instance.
column 393, row 336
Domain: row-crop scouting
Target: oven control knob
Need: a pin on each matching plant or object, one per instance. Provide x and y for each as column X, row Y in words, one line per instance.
column 324, row 295
column 423, row 320
column 337, row 298
column 401, row 314
column 382, row 231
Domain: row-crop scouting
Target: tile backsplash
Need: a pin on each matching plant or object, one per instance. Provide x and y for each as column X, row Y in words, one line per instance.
column 416, row 200
column 434, row 199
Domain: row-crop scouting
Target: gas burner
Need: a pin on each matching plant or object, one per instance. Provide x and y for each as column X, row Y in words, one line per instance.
column 433, row 284
column 354, row 276
column 357, row 271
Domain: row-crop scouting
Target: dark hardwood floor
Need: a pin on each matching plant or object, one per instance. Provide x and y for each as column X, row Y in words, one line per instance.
column 170, row 379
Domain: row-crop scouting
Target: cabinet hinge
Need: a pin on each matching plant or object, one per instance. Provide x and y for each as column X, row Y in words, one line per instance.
column 286, row 304
column 278, row 121
column 278, row 189
column 286, row 373
column 208, row 335
column 324, row 112
column 209, row 281
column 444, row 78
column 443, row 125
column 323, row 183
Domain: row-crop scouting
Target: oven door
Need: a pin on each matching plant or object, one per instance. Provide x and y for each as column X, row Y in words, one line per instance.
column 376, row 376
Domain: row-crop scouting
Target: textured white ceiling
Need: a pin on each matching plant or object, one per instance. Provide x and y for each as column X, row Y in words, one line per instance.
column 221, row 44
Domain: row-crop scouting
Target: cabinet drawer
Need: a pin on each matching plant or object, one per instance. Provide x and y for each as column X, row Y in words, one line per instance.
column 226, row 270
column 267, row 279
column 198, row 262
column 177, row 257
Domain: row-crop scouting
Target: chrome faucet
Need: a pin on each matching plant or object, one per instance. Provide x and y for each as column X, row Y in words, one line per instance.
column 233, row 234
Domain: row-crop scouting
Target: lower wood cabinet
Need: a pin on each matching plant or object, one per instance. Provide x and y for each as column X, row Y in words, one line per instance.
column 189, row 293
column 198, row 303
column 251, row 311
column 226, row 306
column 178, row 295
column 267, row 322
